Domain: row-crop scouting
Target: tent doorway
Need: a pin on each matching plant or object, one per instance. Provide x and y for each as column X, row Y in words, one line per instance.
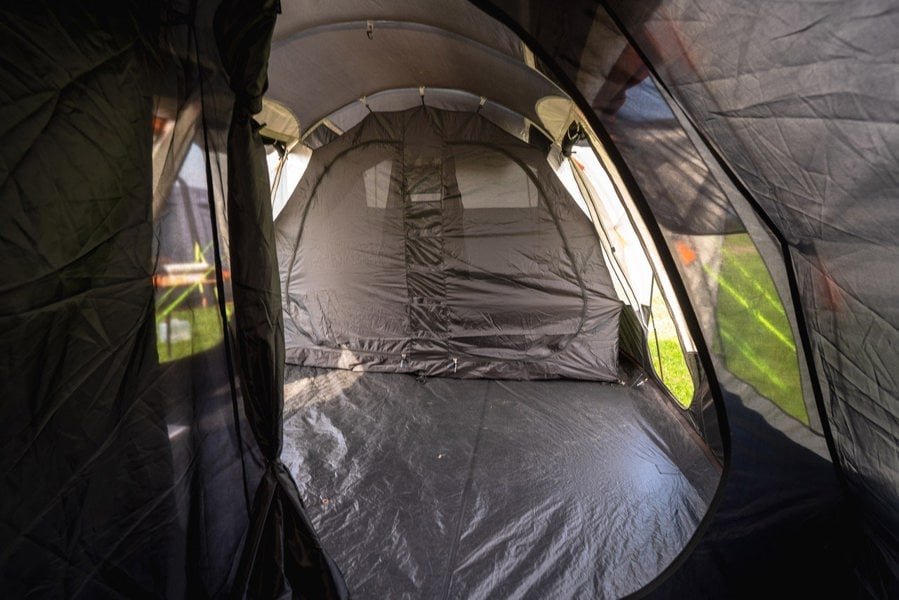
column 459, row 414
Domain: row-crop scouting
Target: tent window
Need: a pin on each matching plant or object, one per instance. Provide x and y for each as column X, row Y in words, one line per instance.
column 668, row 342
column 187, row 315
column 285, row 172
column 566, row 174
column 747, row 300
column 425, row 181
column 377, row 184
column 666, row 351
column 488, row 179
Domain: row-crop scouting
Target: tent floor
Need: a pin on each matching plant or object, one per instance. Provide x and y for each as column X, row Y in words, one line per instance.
column 451, row 488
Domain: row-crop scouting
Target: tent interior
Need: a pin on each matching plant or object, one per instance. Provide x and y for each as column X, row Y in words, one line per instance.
column 457, row 416
column 460, row 417
column 423, row 300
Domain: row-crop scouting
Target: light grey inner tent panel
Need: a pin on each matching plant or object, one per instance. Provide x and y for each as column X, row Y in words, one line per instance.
column 433, row 242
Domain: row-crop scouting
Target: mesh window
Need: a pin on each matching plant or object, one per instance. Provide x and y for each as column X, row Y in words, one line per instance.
column 377, row 184
column 489, row 179
column 425, row 180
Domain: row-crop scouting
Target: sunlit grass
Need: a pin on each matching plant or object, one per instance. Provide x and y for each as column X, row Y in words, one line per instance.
column 754, row 338
column 755, row 335
column 673, row 368
column 667, row 354
column 188, row 331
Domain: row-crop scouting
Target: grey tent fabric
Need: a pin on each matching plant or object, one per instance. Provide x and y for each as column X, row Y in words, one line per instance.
column 614, row 488
column 394, row 44
column 432, row 241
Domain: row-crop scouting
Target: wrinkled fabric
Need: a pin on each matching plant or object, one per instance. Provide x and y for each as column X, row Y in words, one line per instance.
column 86, row 473
column 124, row 477
column 791, row 105
column 432, row 242
column 811, row 129
column 481, row 489
column 280, row 541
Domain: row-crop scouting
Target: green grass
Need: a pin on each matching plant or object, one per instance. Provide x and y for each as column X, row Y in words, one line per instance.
column 203, row 330
column 754, row 338
column 667, row 354
column 669, row 363
column 754, row 334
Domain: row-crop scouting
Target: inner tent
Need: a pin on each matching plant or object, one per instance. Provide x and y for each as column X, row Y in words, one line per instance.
column 459, row 416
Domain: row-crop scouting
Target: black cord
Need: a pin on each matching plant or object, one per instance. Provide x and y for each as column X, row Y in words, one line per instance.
column 219, row 281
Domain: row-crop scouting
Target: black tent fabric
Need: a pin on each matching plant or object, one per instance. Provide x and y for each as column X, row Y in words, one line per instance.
column 280, row 542
column 128, row 463
column 812, row 141
column 432, row 242
column 86, row 460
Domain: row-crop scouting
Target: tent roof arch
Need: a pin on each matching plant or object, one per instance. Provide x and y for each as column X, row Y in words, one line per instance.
column 397, row 99
column 385, row 55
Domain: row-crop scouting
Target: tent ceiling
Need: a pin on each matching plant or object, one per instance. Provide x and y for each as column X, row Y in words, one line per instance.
column 455, row 16
column 318, row 68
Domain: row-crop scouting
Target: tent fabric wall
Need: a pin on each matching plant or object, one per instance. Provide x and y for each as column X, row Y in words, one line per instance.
column 281, row 547
column 85, row 466
column 124, row 471
column 386, row 42
column 710, row 58
column 811, row 132
column 431, row 241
